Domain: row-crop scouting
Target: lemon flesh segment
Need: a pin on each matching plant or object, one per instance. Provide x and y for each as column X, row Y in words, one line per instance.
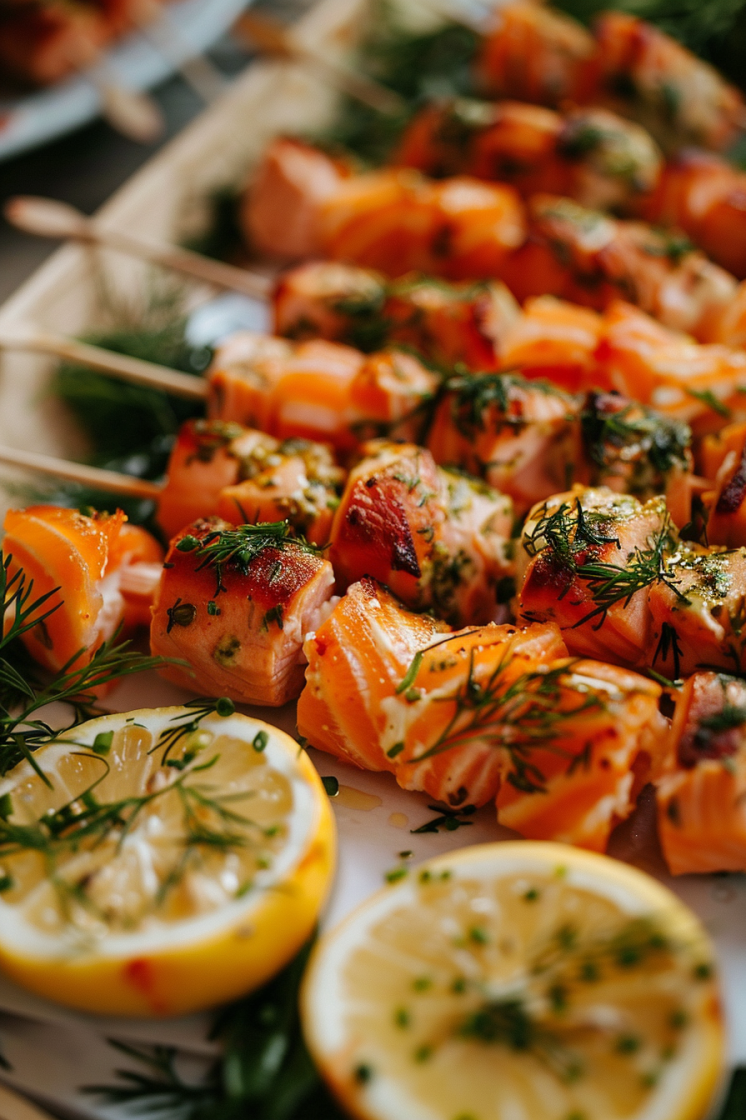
column 168, row 860
column 518, row 981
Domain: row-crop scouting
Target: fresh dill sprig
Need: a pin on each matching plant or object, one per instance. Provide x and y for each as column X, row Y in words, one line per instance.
column 474, row 396
column 240, row 546
column 634, row 443
column 569, row 535
column 518, row 715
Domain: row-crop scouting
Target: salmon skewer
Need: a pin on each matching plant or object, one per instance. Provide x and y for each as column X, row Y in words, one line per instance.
column 537, row 54
column 447, row 323
column 437, row 539
column 700, row 795
column 242, row 475
column 587, row 562
column 318, row 390
column 236, row 602
column 588, row 154
column 592, row 259
column 99, row 574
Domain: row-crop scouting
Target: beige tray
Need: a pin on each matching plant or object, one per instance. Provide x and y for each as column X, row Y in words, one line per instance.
column 66, row 295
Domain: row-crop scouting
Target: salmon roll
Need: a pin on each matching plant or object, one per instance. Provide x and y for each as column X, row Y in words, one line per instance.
column 236, row 603
column 698, row 612
column 701, row 797
column 437, row 539
column 522, row 437
column 535, row 53
column 587, row 561
column 587, row 745
column 384, row 686
column 680, row 99
column 82, row 563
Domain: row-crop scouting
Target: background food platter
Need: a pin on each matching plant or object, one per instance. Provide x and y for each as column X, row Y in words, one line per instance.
column 135, row 63
column 80, row 289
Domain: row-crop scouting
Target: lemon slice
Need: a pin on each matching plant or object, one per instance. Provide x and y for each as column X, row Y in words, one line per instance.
column 162, row 860
column 517, row 981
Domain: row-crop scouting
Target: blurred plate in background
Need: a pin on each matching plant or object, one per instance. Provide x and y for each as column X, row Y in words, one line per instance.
column 134, row 63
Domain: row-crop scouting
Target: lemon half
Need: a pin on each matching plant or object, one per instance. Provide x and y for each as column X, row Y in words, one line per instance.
column 167, row 860
column 517, row 981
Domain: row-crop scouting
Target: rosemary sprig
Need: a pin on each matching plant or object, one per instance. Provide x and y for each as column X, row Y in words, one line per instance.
column 240, row 546
column 264, row 1072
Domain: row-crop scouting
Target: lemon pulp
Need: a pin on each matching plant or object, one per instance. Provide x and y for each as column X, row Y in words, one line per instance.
column 518, row 982
column 179, row 856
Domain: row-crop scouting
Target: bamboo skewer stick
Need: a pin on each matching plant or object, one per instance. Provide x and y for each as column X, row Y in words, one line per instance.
column 271, row 38
column 111, row 481
column 47, row 218
column 116, row 365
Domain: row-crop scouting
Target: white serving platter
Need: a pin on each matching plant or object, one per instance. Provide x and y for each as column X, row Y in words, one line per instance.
column 134, row 62
column 74, row 292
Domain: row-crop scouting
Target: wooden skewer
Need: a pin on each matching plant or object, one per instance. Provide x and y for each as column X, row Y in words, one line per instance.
column 271, row 38
column 135, row 115
column 155, row 22
column 111, row 481
column 107, row 361
column 45, row 217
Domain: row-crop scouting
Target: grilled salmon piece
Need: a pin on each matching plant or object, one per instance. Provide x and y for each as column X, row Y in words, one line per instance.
column 535, row 53
column 723, row 458
column 436, row 539
column 649, row 363
column 236, row 603
column 242, row 475
column 328, row 299
column 522, row 437
column 698, row 609
column 452, row 323
column 79, row 561
column 587, row 561
column 288, row 390
column 701, row 797
column 704, row 195
column 357, row 659
column 635, row 450
column 649, row 76
column 280, row 211
column 392, row 394
column 555, row 340
column 583, row 748
column 383, row 689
